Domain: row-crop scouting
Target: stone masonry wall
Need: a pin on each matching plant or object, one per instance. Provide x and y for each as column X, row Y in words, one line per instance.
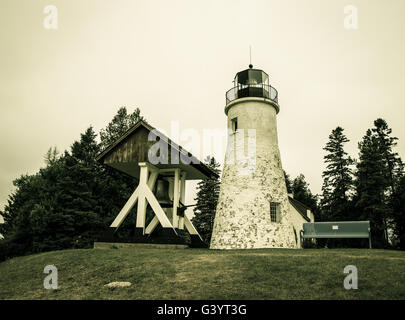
column 242, row 218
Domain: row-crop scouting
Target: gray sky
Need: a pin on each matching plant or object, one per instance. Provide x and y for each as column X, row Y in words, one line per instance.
column 176, row 59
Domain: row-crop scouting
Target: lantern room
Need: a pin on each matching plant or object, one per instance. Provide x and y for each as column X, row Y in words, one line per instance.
column 251, row 83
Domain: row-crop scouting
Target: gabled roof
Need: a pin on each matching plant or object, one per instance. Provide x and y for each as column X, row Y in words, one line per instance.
column 204, row 171
column 300, row 207
column 123, row 137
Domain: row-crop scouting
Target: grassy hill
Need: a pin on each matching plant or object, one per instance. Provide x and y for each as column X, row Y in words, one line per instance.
column 204, row 274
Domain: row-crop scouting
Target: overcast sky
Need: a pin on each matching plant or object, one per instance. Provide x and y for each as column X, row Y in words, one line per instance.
column 176, row 59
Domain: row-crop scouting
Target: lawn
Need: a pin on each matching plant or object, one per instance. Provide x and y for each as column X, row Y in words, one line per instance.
column 204, row 274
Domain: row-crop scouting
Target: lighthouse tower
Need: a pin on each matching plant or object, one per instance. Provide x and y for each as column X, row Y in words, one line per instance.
column 253, row 208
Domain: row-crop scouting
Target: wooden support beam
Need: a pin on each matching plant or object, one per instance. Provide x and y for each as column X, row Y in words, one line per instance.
column 143, row 195
column 125, row 210
column 152, row 179
column 167, row 170
column 157, row 209
column 142, row 203
column 141, row 212
column 189, row 226
column 176, row 197
column 182, row 198
column 171, row 187
column 150, row 166
column 152, row 225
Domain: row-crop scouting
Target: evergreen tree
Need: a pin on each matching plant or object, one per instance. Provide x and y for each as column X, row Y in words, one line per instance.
column 399, row 213
column 207, row 199
column 288, row 182
column 66, row 214
column 337, row 179
column 117, row 187
column 302, row 193
column 392, row 162
column 51, row 156
column 394, row 170
column 70, row 201
column 86, row 150
column 378, row 179
column 16, row 230
column 121, row 122
column 371, row 184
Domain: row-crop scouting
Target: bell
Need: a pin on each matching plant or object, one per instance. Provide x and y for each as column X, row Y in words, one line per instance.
column 162, row 192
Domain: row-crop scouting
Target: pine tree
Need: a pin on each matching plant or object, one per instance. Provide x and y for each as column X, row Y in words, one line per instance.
column 207, row 199
column 393, row 163
column 302, row 193
column 399, row 213
column 116, row 187
column 393, row 170
column 17, row 230
column 69, row 202
column 378, row 181
column 288, row 182
column 51, row 156
column 337, row 178
column 86, row 150
column 371, row 185
column 121, row 122
column 67, row 214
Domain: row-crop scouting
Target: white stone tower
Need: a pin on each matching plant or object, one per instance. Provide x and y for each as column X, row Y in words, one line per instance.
column 253, row 208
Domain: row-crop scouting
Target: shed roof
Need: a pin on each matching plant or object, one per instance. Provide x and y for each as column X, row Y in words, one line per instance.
column 300, row 207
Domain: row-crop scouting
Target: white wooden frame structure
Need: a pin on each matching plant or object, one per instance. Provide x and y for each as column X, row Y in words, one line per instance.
column 143, row 195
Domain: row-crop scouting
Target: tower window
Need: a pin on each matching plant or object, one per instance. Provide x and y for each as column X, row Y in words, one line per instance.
column 274, row 212
column 234, row 124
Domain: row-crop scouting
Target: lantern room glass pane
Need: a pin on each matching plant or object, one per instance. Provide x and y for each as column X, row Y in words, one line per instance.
column 251, row 77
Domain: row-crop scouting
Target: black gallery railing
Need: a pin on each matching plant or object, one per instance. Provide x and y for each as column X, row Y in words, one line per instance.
column 255, row 90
